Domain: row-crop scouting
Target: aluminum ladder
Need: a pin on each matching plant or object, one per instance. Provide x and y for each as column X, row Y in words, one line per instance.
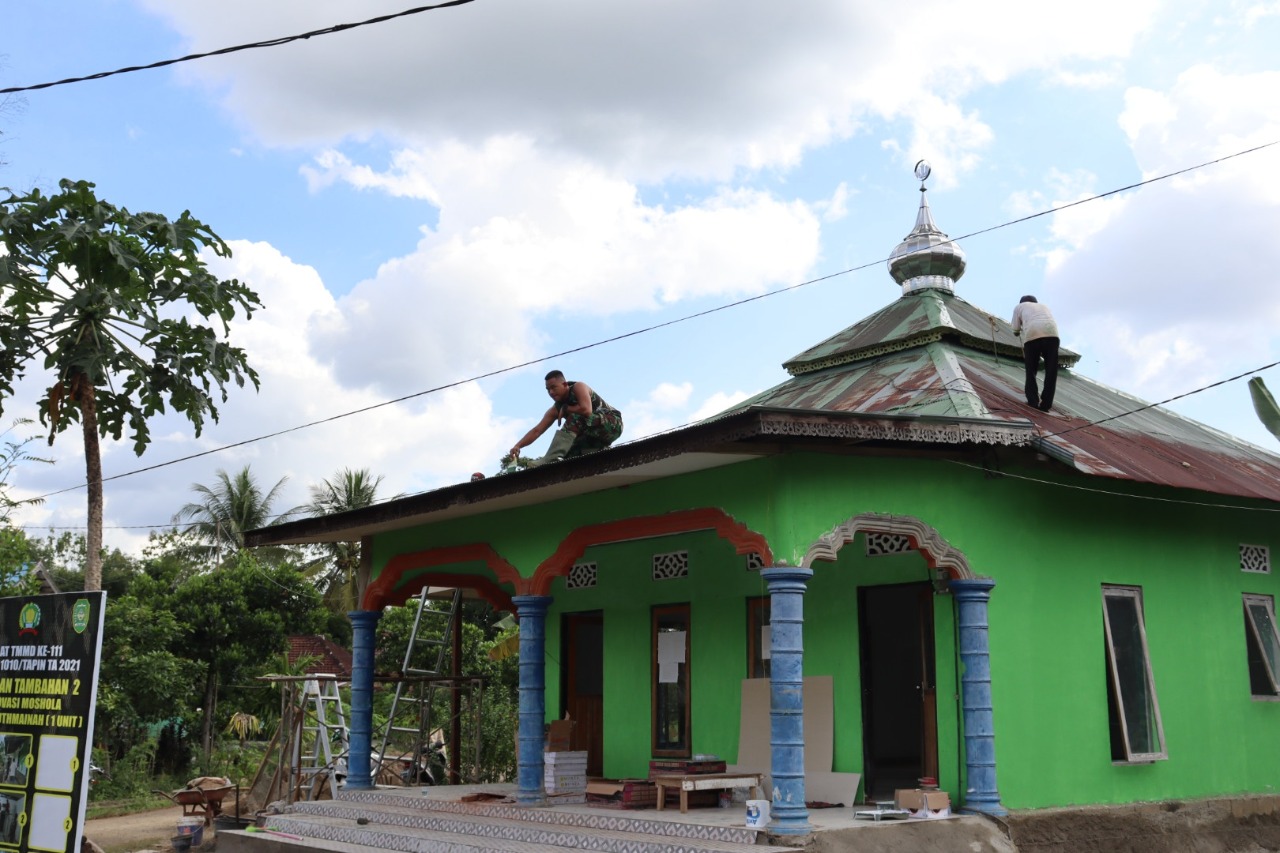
column 410, row 714
column 321, row 751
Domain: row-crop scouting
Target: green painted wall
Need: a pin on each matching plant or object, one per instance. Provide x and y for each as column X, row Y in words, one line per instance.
column 1050, row 549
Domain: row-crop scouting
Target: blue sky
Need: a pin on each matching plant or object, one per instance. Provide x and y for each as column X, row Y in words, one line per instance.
column 455, row 192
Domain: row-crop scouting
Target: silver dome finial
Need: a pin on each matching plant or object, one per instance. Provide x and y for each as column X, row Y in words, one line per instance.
column 926, row 259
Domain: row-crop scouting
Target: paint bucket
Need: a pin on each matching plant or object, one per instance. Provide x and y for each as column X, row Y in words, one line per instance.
column 192, row 827
column 757, row 814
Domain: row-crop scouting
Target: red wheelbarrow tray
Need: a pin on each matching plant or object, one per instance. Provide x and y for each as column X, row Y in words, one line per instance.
column 206, row 802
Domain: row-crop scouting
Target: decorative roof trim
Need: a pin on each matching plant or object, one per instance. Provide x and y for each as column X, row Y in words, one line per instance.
column 909, row 429
column 799, row 368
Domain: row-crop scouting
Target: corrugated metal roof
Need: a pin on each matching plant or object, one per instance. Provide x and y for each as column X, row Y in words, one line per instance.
column 916, row 318
column 946, row 378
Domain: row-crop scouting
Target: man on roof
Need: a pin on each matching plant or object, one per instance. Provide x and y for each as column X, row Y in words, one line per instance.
column 1039, row 331
column 590, row 424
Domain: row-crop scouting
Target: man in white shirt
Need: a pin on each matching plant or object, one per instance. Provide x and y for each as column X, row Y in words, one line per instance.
column 1035, row 323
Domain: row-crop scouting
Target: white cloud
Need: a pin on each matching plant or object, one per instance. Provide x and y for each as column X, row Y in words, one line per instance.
column 1172, row 293
column 718, row 402
column 654, row 89
column 836, row 207
column 661, row 410
column 526, row 242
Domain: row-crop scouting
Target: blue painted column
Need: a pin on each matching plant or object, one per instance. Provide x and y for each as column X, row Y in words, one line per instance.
column 360, row 742
column 971, row 597
column 788, row 813
column 532, row 612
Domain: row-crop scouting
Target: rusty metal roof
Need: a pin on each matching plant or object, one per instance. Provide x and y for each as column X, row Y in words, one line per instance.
column 1093, row 428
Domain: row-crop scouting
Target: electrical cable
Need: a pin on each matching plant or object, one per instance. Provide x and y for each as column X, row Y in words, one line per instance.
column 275, row 42
column 694, row 316
column 1110, row 493
column 1162, row 402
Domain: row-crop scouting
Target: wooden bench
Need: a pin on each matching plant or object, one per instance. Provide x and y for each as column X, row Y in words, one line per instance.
column 703, row 782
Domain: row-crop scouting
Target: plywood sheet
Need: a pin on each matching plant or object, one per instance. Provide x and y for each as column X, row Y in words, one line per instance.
column 819, row 724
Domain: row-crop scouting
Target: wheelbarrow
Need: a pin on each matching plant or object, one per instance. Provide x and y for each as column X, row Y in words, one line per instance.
column 202, row 802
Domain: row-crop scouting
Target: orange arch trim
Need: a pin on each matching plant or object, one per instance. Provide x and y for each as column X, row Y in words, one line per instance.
column 573, row 546
column 383, row 592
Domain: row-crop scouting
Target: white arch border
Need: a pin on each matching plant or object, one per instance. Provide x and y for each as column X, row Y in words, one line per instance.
column 938, row 552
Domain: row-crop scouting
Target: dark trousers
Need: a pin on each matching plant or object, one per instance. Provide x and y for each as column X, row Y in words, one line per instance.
column 1032, row 352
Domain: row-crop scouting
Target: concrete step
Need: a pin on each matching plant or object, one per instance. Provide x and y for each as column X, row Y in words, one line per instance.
column 401, row 828
column 596, row 819
column 239, row 841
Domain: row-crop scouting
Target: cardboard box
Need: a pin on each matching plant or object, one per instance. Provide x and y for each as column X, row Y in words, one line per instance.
column 916, row 799
column 559, row 733
column 622, row 793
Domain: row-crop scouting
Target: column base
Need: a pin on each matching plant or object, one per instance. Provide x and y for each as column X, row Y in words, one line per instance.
column 995, row 809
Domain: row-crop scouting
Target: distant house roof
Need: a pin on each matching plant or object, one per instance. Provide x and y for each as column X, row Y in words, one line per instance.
column 331, row 658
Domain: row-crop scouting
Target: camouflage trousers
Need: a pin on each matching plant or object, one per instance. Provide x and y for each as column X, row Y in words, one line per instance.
column 595, row 431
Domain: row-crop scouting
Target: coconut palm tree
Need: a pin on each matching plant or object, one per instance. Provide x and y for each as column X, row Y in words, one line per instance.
column 233, row 505
column 337, row 572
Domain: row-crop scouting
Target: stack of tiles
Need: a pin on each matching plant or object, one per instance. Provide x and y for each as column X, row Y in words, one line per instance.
column 565, row 776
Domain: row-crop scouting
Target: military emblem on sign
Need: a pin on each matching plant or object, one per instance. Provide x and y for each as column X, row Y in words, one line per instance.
column 28, row 619
column 80, row 616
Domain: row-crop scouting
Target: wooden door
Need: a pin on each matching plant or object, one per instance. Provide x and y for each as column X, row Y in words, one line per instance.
column 899, row 708
column 582, row 677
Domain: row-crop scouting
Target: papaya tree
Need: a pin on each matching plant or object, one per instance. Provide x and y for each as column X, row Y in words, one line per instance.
column 121, row 311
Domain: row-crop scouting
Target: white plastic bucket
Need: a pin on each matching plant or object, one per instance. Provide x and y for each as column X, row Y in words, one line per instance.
column 193, row 827
column 757, row 814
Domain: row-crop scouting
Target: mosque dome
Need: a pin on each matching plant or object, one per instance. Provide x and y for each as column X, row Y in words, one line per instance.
column 926, row 258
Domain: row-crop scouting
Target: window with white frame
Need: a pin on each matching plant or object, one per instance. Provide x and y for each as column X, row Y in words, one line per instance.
column 1263, row 644
column 1137, row 734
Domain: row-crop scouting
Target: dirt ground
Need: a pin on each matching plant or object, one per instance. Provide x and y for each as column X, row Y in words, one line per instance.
column 141, row 831
column 1226, row 825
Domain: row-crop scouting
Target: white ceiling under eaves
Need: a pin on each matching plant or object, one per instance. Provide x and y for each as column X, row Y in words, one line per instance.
column 683, row 463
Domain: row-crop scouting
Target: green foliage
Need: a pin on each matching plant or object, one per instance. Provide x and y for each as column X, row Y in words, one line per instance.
column 336, row 571
column 180, row 634
column 144, row 681
column 88, row 286
column 239, row 616
column 480, row 633
column 103, row 299
column 1265, row 405
column 64, row 557
column 17, row 559
column 226, row 510
column 12, row 453
column 130, row 775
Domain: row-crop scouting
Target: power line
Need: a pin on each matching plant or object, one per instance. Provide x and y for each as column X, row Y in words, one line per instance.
column 686, row 318
column 1162, row 402
column 1110, row 493
column 275, row 42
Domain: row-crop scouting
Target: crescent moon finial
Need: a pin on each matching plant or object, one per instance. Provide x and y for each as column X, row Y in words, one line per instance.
column 923, row 170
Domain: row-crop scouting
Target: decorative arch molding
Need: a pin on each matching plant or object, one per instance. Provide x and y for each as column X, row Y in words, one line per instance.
column 383, row 591
column 572, row 547
column 937, row 552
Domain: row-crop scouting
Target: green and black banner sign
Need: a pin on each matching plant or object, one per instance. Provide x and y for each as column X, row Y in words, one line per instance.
column 50, row 648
